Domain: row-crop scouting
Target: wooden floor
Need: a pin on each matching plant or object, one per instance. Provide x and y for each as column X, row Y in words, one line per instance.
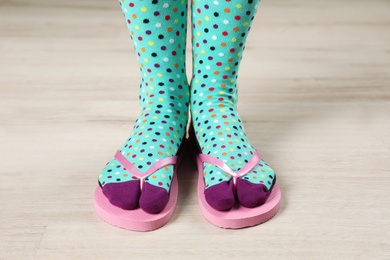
column 314, row 95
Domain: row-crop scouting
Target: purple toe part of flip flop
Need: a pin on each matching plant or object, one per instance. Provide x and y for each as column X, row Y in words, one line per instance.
column 153, row 199
column 124, row 195
column 251, row 195
column 220, row 196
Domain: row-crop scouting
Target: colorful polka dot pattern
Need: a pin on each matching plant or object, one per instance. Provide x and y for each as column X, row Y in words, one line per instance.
column 158, row 30
column 219, row 32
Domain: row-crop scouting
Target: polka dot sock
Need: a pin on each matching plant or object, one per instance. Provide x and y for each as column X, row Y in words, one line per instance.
column 220, row 29
column 158, row 30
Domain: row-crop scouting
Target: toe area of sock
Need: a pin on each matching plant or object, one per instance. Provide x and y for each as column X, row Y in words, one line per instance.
column 220, row 196
column 251, row 195
column 124, row 195
column 153, row 199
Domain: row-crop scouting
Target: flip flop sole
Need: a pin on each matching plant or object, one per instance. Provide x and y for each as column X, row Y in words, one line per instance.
column 136, row 220
column 238, row 216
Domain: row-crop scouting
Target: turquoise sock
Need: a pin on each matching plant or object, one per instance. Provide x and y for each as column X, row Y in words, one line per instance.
column 158, row 31
column 220, row 29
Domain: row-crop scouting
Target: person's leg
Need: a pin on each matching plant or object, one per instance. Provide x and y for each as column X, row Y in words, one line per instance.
column 220, row 29
column 158, row 30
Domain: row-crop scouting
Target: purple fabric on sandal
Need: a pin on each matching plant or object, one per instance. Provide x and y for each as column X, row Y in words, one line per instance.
column 220, row 196
column 124, row 195
column 153, row 199
column 251, row 195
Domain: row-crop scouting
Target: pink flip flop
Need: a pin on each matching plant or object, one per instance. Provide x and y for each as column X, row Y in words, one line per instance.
column 238, row 216
column 137, row 219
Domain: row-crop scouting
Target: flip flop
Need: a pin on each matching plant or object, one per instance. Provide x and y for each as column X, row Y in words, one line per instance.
column 137, row 219
column 238, row 216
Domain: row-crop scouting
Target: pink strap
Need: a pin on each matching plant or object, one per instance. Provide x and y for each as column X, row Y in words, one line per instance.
column 142, row 175
column 205, row 158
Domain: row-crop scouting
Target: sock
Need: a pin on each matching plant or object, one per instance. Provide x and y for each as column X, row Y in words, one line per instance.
column 158, row 31
column 219, row 30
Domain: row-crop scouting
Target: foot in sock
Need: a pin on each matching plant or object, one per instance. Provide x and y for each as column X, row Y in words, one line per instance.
column 219, row 30
column 158, row 31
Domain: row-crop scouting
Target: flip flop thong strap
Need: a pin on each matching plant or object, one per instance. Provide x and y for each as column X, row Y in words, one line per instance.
column 142, row 175
column 205, row 158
